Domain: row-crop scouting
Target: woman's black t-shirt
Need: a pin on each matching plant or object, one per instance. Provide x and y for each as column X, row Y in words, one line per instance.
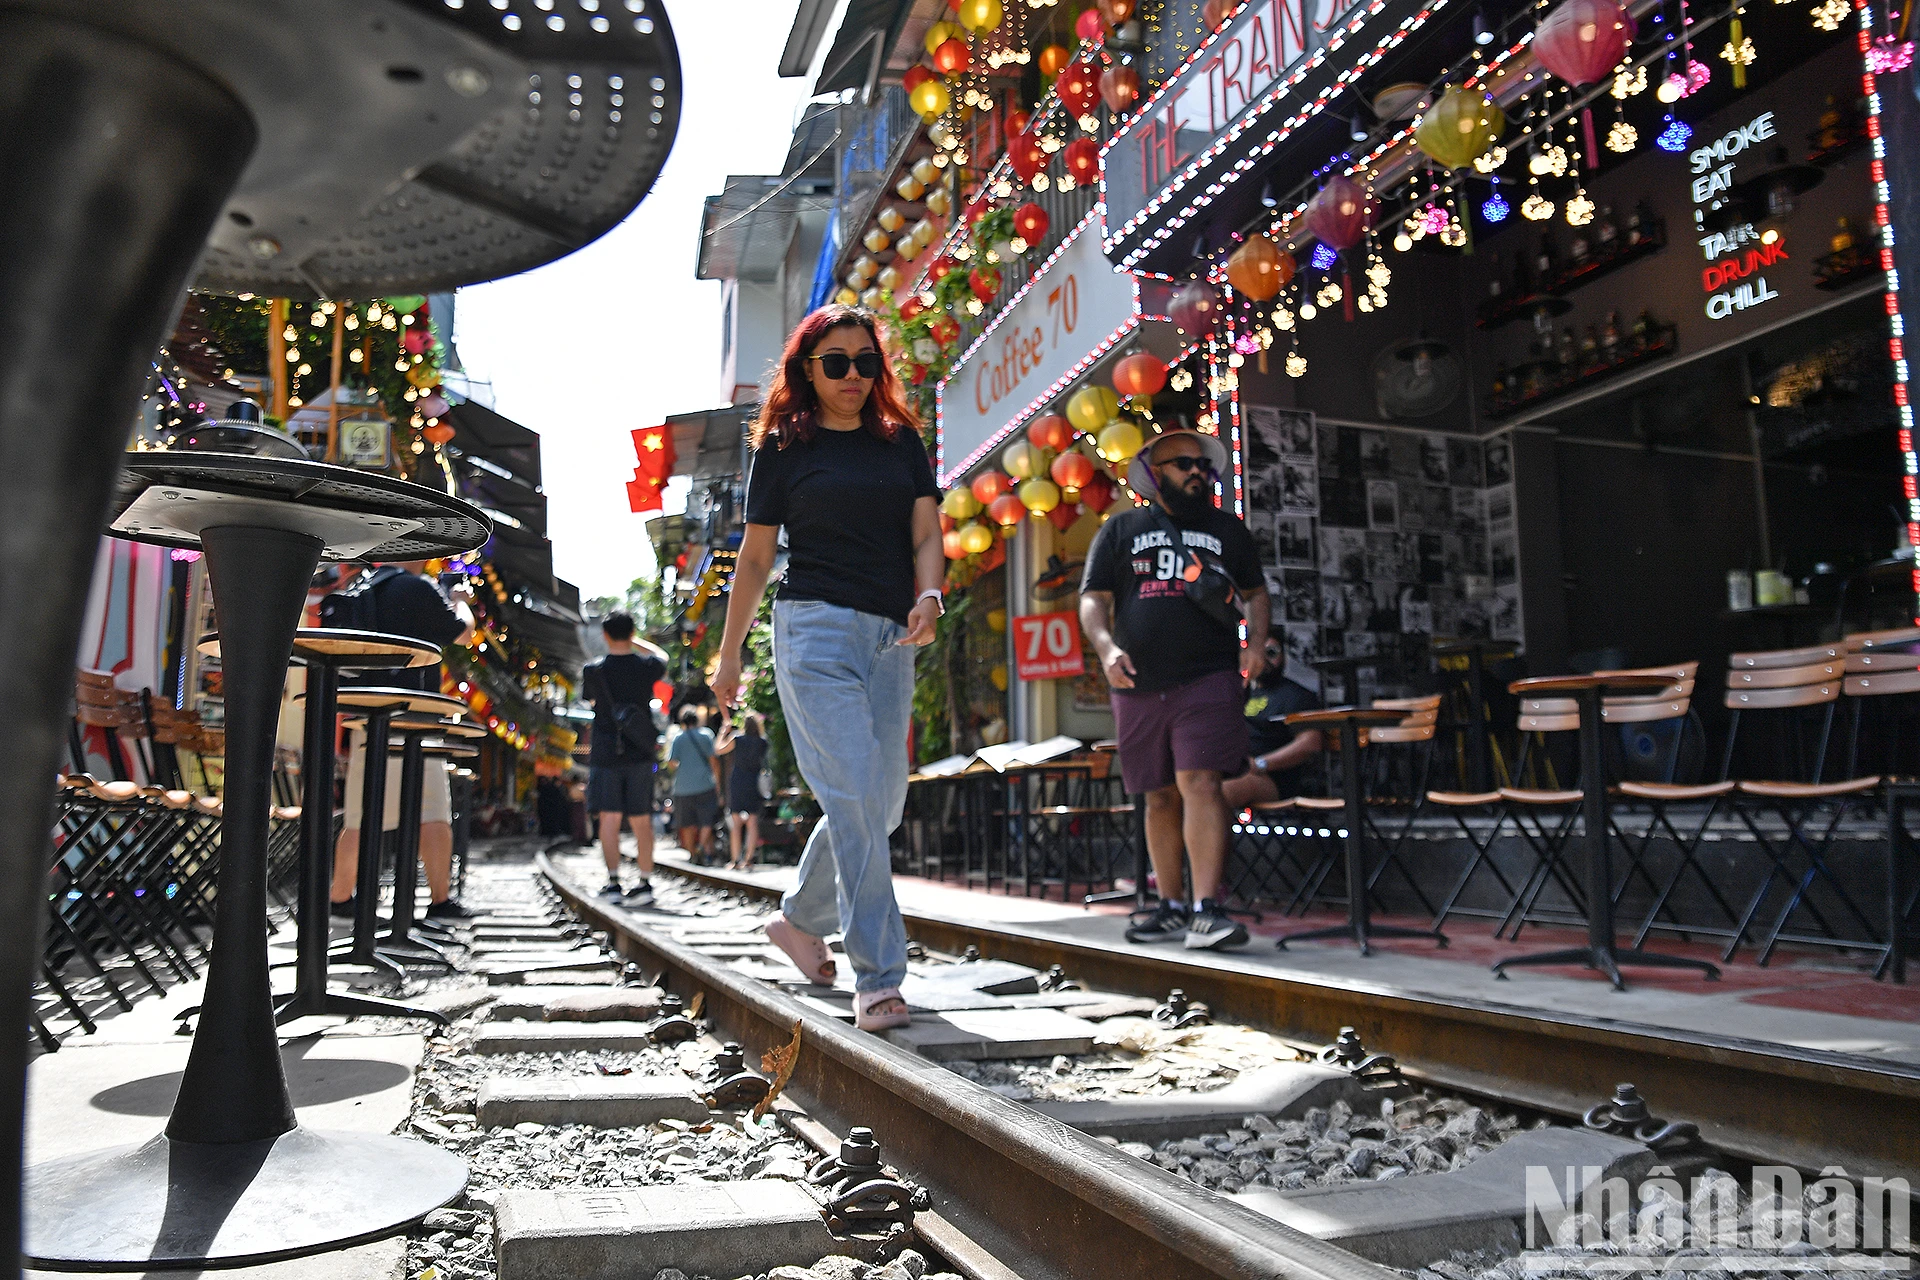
column 846, row 500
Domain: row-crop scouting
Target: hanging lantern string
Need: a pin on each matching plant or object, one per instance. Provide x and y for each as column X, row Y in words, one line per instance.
column 1385, row 173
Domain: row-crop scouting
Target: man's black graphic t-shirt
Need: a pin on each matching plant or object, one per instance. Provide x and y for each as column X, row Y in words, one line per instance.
column 1169, row 638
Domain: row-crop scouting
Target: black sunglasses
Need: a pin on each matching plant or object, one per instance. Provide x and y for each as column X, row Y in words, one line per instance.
column 836, row 363
column 1185, row 463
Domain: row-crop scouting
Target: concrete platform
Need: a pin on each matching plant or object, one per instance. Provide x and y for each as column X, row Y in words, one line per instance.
column 605, row 1102
column 1286, row 1089
column 995, row 1033
column 1414, row 1220
column 714, row 1228
column 560, row 1037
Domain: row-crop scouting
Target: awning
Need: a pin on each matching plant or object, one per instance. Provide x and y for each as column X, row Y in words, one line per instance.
column 710, row 443
column 480, row 432
column 746, row 229
column 859, row 51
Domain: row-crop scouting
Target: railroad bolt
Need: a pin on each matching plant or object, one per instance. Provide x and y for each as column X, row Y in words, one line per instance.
column 1370, row 1068
column 1179, row 1014
column 971, row 954
column 733, row 1086
column 859, row 1193
column 1056, row 979
column 673, row 1025
column 1626, row 1115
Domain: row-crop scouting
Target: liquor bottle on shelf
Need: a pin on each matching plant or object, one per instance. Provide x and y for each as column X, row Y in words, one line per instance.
column 1493, row 283
column 1568, row 351
column 1645, row 332
column 1609, row 233
column 1610, row 339
column 1636, row 228
column 1833, row 131
column 1580, row 248
column 1842, row 232
column 1544, row 263
column 1644, row 212
column 1589, row 348
column 1500, row 380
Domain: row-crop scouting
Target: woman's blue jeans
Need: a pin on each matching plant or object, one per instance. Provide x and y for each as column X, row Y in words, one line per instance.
column 846, row 686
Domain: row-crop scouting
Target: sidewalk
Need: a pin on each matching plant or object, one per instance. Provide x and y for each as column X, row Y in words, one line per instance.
column 1807, row 999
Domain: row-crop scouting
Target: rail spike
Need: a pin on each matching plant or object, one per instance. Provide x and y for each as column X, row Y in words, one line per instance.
column 1179, row 1014
column 673, row 1025
column 732, row 1087
column 1626, row 1115
column 861, row 1196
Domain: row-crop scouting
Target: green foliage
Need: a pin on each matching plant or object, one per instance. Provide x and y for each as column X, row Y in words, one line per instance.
column 758, row 694
column 933, row 702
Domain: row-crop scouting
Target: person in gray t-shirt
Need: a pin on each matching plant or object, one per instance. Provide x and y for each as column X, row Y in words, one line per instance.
column 696, row 785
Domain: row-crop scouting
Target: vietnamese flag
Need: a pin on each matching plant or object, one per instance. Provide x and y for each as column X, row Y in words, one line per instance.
column 644, row 492
column 653, row 446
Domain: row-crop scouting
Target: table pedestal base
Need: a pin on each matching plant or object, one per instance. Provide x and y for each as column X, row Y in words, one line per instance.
column 1608, row 960
column 191, row 1205
column 1361, row 936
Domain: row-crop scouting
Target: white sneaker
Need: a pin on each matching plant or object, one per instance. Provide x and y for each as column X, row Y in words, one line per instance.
column 641, row 895
column 1213, row 927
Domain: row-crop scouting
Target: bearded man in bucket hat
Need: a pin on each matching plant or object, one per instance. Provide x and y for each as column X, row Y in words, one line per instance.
column 1164, row 590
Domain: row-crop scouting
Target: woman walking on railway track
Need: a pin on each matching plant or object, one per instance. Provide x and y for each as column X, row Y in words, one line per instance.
column 838, row 464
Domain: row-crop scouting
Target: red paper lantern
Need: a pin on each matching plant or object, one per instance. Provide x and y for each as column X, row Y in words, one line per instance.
column 951, row 57
column 1053, row 58
column 1582, row 41
column 438, row 432
column 1337, row 214
column 417, row 339
column 1078, row 87
column 911, row 308
column 989, row 485
column 1027, row 156
column 1259, row 268
column 944, row 330
column 978, row 210
column 985, row 282
column 1007, row 511
column 1064, row 516
column 1196, row 308
column 1072, row 471
column 1030, row 223
column 916, row 74
column 1120, row 86
column 1217, row 11
column 1090, row 26
column 1083, row 160
column 947, row 523
column 1018, row 119
column 917, row 375
column 1116, row 11
column 1096, row 495
column 938, row 268
column 1050, row 431
column 950, row 545
column 1140, row 374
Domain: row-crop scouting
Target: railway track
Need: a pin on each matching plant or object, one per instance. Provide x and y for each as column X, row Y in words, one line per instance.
column 1015, row 1193
column 1754, row 1101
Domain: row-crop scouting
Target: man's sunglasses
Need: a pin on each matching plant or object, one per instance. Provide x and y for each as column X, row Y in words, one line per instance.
column 1184, row 463
column 836, row 363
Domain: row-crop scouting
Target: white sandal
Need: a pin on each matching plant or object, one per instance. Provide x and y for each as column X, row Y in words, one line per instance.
column 810, row 955
column 866, row 1002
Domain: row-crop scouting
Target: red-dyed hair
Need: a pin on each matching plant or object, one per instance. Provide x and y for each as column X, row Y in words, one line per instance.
column 791, row 410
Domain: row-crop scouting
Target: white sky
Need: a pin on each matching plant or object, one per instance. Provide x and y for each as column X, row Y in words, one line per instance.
column 620, row 334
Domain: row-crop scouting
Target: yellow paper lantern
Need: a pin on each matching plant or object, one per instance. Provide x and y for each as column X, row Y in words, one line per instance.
column 422, row 376
column 999, row 677
column 997, row 620
column 1120, row 441
column 891, row 279
column 930, row 98
column 924, row 231
column 1459, row 127
column 910, row 188
column 961, row 504
column 939, row 203
column 941, row 32
column 1040, row 495
column 1024, row 462
column 866, row 267
column 980, row 15
column 926, row 170
column 906, row 247
column 872, row 300
column 890, row 219
column 976, row 538
column 846, row 297
column 875, row 240
column 1092, row 407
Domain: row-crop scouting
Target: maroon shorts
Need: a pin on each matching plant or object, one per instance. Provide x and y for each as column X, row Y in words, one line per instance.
column 1198, row 725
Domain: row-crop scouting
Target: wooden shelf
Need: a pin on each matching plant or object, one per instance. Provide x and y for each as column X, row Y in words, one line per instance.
column 1577, row 276
column 1582, row 376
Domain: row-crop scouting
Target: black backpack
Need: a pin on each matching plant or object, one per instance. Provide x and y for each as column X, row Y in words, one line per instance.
column 356, row 608
column 635, row 734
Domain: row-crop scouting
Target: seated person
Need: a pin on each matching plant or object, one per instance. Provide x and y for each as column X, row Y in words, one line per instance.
column 1280, row 755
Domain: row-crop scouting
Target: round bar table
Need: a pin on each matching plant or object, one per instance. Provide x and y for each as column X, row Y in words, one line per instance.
column 326, row 652
column 1359, row 926
column 234, row 1178
column 1600, row 951
column 380, row 706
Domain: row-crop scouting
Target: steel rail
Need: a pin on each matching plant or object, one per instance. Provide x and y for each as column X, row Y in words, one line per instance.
column 1753, row 1100
column 1045, row 1200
